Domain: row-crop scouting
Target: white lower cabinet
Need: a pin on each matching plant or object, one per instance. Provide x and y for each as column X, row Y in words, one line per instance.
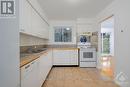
column 42, row 69
column 65, row 57
column 45, row 64
column 29, row 75
column 74, row 57
column 35, row 73
column 61, row 57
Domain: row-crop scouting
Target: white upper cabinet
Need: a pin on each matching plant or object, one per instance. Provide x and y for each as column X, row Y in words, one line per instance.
column 25, row 17
column 36, row 23
column 39, row 9
column 32, row 19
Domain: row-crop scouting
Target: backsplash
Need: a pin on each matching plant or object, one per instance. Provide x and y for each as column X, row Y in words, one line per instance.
column 24, row 49
column 62, row 46
column 27, row 40
column 94, row 40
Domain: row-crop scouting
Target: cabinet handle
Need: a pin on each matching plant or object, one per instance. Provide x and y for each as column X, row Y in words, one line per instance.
column 27, row 66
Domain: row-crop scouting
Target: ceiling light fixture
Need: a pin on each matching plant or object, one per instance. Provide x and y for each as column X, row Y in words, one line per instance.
column 67, row 28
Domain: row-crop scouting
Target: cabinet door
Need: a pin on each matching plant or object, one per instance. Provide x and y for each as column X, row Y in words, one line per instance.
column 25, row 17
column 74, row 57
column 45, row 64
column 42, row 32
column 35, row 23
column 31, row 22
column 35, row 72
column 61, row 57
column 29, row 75
column 39, row 9
column 49, row 56
column 39, row 26
column 46, row 30
column 44, row 67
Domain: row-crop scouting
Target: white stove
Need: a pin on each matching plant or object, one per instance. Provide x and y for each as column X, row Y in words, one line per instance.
column 84, row 45
column 87, row 55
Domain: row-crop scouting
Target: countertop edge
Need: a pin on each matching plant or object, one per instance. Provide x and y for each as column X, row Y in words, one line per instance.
column 34, row 57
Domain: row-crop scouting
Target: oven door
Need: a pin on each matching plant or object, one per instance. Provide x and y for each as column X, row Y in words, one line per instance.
column 88, row 55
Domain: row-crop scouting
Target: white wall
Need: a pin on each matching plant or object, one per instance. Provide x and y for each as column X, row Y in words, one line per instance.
column 9, row 51
column 120, row 9
column 27, row 40
column 62, row 23
column 79, row 26
column 86, row 25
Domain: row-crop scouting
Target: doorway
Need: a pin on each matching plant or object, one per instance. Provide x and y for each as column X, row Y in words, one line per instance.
column 107, row 46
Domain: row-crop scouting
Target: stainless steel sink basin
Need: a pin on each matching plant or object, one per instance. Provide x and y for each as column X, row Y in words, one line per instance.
column 32, row 52
column 39, row 50
column 24, row 55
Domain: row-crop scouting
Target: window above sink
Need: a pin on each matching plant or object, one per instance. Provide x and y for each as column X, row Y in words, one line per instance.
column 63, row 34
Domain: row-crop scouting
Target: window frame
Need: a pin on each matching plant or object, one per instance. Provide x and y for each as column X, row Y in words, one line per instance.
column 62, row 29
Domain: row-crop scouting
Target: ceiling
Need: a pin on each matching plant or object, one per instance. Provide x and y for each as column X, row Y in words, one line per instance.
column 72, row 9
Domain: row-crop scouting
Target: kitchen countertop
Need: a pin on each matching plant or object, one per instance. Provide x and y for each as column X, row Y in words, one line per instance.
column 27, row 58
column 31, row 57
column 66, row 48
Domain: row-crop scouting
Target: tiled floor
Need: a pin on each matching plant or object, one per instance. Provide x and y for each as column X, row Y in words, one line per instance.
column 77, row 77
